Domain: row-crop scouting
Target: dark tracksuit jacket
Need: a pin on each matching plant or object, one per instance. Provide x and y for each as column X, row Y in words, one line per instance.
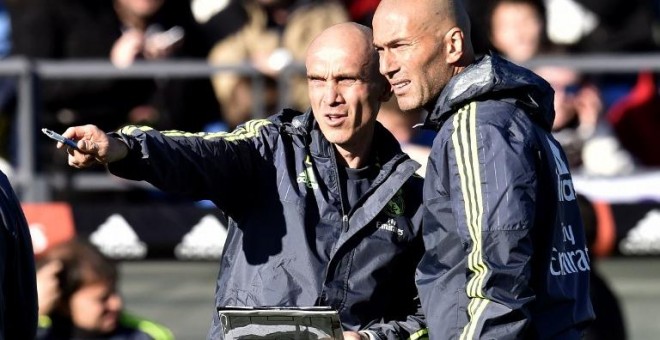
column 506, row 254
column 18, row 299
column 290, row 242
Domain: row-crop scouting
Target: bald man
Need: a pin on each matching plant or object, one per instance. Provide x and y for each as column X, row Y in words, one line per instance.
column 505, row 250
column 324, row 208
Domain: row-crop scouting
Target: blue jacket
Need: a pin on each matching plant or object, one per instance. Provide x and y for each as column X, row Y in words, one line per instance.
column 289, row 241
column 18, row 299
column 506, row 255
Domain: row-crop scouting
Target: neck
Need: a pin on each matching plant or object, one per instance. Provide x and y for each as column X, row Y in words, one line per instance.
column 430, row 105
column 355, row 155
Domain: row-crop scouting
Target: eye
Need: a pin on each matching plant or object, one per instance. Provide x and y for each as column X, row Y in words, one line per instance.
column 347, row 81
column 314, row 80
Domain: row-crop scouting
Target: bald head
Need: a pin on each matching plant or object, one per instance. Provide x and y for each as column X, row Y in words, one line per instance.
column 433, row 15
column 345, row 88
column 347, row 38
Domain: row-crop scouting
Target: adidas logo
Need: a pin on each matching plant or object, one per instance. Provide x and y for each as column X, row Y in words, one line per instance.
column 116, row 239
column 204, row 241
column 307, row 175
column 644, row 238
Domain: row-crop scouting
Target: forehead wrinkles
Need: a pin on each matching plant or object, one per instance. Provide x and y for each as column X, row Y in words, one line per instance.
column 403, row 24
column 334, row 61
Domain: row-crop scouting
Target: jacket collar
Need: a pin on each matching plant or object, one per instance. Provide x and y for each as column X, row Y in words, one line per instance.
column 492, row 77
column 386, row 146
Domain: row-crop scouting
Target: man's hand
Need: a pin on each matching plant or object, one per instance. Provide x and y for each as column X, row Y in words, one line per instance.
column 48, row 288
column 354, row 336
column 95, row 147
column 127, row 48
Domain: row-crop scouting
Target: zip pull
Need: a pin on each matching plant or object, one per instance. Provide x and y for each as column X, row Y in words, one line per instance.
column 344, row 223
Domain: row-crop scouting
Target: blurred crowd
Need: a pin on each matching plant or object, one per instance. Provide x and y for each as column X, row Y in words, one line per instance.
column 606, row 122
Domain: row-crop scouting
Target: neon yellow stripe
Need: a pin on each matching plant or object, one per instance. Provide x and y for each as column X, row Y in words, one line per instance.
column 419, row 335
column 45, row 321
column 249, row 130
column 477, row 306
column 470, row 205
column 459, row 161
column 464, row 139
column 177, row 133
column 128, row 129
column 480, row 204
column 156, row 331
column 467, row 182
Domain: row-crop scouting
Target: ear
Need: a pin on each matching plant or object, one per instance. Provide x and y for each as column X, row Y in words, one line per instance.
column 454, row 45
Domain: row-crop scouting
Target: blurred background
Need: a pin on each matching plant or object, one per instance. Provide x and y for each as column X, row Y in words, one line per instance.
column 209, row 65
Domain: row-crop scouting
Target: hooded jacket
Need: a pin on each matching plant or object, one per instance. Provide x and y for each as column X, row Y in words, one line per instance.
column 506, row 254
column 290, row 242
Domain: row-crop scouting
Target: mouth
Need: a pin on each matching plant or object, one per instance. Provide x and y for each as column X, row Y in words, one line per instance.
column 335, row 119
column 399, row 86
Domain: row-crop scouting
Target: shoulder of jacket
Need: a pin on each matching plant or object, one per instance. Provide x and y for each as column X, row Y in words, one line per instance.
column 495, row 112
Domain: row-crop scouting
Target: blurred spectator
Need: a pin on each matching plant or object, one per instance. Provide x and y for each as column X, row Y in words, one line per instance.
column 218, row 18
column 415, row 142
column 636, row 120
column 275, row 33
column 361, row 11
column 601, row 25
column 121, row 31
column 18, row 298
column 5, row 31
column 609, row 323
column 517, row 29
column 479, row 22
column 78, row 297
column 585, row 136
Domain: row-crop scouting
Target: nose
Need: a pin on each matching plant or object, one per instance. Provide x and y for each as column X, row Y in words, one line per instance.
column 114, row 302
column 331, row 94
column 387, row 63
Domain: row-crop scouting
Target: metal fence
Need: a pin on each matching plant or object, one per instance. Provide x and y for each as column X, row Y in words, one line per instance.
column 35, row 187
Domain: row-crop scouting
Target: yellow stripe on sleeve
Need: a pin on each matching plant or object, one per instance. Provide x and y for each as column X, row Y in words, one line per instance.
column 464, row 140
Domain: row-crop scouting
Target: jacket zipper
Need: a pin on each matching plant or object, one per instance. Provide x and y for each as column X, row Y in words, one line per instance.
column 344, row 223
column 344, row 218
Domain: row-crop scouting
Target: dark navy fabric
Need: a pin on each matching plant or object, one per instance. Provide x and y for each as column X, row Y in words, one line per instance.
column 18, row 298
column 506, row 255
column 291, row 241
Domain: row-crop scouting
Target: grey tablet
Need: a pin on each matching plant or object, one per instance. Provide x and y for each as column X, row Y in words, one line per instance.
column 281, row 323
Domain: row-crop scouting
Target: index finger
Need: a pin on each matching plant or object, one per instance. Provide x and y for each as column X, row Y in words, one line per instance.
column 74, row 132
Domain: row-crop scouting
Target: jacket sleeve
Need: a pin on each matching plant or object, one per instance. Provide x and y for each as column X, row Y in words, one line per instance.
column 224, row 167
column 493, row 188
column 413, row 328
